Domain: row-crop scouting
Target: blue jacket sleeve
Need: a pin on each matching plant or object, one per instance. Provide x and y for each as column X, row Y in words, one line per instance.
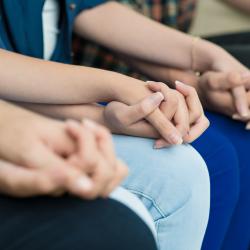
column 2, row 45
column 90, row 3
column 86, row 4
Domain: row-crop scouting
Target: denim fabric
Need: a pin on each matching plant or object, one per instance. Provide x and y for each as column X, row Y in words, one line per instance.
column 132, row 202
column 173, row 184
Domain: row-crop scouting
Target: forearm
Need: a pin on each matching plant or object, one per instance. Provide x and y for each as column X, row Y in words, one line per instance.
column 26, row 79
column 132, row 34
column 161, row 73
column 242, row 5
column 76, row 112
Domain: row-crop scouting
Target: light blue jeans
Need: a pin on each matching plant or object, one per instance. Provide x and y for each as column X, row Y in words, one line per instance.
column 173, row 184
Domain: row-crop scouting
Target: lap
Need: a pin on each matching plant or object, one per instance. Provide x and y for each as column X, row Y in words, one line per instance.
column 167, row 177
column 70, row 223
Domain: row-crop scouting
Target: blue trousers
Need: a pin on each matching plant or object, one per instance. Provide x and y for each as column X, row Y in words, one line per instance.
column 225, row 147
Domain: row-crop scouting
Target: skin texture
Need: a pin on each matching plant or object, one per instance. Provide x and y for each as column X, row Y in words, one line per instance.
column 83, row 85
column 44, row 156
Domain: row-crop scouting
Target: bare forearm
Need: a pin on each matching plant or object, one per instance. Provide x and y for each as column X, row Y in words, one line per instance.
column 130, row 33
column 26, row 79
column 76, row 112
column 162, row 74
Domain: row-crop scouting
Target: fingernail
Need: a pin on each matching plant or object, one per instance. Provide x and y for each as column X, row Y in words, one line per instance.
column 83, row 184
column 236, row 116
column 156, row 98
column 159, row 144
column 175, row 139
column 179, row 83
column 244, row 114
column 89, row 124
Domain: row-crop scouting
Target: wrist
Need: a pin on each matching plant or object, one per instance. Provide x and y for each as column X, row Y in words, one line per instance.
column 130, row 90
column 206, row 55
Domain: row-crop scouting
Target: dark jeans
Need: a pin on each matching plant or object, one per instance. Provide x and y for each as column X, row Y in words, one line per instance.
column 70, row 224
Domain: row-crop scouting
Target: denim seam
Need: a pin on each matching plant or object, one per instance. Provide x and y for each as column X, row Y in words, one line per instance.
column 150, row 199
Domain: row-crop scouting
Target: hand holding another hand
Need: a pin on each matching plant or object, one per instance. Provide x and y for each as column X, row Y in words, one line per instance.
column 175, row 115
column 43, row 156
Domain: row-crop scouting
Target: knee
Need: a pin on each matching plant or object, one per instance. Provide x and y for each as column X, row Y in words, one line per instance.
column 170, row 179
column 130, row 200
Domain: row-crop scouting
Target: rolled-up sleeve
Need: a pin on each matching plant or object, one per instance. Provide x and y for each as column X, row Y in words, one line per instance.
column 87, row 4
column 2, row 45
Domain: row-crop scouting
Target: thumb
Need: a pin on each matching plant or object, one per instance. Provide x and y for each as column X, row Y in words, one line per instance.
column 145, row 107
column 223, row 80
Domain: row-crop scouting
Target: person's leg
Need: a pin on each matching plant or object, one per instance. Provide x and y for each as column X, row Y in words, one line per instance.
column 173, row 183
column 238, row 235
column 70, row 223
column 130, row 200
column 222, row 161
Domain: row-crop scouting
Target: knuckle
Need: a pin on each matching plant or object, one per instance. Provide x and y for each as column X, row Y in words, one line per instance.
column 193, row 91
column 184, row 130
column 195, row 115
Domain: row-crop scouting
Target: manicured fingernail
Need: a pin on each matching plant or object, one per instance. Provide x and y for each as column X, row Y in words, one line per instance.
column 244, row 114
column 179, row 83
column 248, row 126
column 156, row 98
column 235, row 116
column 89, row 124
column 175, row 139
column 83, row 184
column 159, row 144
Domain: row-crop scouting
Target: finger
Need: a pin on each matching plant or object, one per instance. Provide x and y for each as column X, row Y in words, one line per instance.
column 241, row 101
column 246, row 78
column 86, row 153
column 223, row 80
column 181, row 117
column 142, row 129
column 144, row 108
column 101, row 179
column 238, row 117
column 161, row 143
column 104, row 141
column 65, row 175
column 192, row 100
column 248, row 126
column 170, row 104
column 165, row 128
column 121, row 173
column 22, row 182
column 197, row 129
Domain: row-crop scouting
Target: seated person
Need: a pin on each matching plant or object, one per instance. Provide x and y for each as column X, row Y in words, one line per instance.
column 224, row 146
column 36, row 213
column 172, row 182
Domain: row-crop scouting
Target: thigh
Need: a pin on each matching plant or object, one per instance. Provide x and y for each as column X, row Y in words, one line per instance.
column 238, row 235
column 176, row 170
column 173, row 183
column 70, row 223
column 222, row 162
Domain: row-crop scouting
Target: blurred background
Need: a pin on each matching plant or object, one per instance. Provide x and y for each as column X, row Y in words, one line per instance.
column 215, row 17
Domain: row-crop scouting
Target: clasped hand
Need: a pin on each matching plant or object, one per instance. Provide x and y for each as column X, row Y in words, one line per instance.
column 172, row 116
